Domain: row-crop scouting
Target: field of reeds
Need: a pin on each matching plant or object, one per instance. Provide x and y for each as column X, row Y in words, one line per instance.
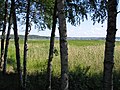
column 85, row 65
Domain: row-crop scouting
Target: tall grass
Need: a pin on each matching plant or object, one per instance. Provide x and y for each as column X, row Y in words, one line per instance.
column 81, row 53
column 85, row 60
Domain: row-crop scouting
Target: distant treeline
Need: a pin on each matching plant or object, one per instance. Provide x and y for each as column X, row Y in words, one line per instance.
column 29, row 37
column 69, row 38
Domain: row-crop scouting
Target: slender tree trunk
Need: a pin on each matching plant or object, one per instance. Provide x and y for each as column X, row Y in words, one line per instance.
column 109, row 46
column 3, row 34
column 7, row 41
column 63, row 45
column 25, row 46
column 16, row 38
column 51, row 50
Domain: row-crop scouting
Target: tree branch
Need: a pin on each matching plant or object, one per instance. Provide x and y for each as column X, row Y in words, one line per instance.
column 118, row 12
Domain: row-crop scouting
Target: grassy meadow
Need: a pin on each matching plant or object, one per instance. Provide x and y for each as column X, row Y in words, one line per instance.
column 85, row 65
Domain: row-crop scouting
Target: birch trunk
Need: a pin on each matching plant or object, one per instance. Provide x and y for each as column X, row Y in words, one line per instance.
column 63, row 45
column 51, row 50
column 3, row 34
column 7, row 41
column 25, row 46
column 109, row 46
column 16, row 38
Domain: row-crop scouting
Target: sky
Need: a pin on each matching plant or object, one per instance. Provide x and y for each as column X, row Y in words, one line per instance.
column 85, row 29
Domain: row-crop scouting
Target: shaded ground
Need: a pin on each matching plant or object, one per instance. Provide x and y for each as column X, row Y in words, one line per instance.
column 79, row 80
column 8, row 81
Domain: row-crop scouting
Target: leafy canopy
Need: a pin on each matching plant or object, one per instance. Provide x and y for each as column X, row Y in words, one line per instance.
column 41, row 11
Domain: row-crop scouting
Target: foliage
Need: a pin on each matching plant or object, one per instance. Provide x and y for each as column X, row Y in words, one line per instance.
column 78, row 10
column 40, row 13
column 98, row 10
column 1, row 12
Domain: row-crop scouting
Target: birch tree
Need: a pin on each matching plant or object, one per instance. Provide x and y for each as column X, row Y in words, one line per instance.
column 51, row 50
column 109, row 46
column 25, row 46
column 63, row 45
column 7, row 40
column 3, row 34
column 16, row 39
